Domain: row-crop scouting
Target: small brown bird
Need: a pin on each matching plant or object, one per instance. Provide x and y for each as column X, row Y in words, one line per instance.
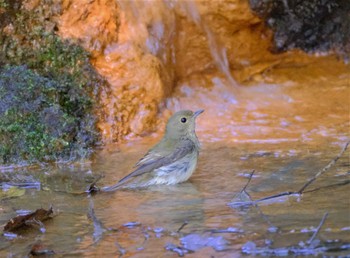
column 172, row 160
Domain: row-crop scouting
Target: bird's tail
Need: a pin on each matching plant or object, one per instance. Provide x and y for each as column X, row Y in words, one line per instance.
column 113, row 187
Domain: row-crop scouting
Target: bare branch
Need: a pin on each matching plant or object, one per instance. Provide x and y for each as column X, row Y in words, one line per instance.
column 346, row 182
column 318, row 228
column 322, row 171
column 249, row 179
column 243, row 203
column 276, row 196
column 182, row 226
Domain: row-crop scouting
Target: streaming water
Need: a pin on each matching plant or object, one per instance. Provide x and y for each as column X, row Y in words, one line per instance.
column 217, row 50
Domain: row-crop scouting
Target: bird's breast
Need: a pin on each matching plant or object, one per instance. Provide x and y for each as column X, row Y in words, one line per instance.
column 178, row 171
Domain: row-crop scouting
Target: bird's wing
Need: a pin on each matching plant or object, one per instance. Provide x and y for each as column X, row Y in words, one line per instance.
column 157, row 161
column 149, row 156
column 153, row 161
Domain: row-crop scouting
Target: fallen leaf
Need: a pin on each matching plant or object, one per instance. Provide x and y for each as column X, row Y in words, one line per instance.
column 35, row 217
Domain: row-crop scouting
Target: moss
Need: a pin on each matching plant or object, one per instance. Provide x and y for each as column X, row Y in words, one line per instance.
column 34, row 126
column 4, row 4
column 47, row 89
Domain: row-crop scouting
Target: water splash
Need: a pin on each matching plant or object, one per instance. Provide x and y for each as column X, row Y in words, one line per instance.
column 217, row 51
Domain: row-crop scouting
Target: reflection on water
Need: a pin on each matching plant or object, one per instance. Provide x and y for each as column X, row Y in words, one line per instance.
column 268, row 113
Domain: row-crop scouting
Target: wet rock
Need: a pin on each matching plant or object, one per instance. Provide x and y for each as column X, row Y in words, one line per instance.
column 94, row 23
column 39, row 249
column 127, row 49
column 312, row 25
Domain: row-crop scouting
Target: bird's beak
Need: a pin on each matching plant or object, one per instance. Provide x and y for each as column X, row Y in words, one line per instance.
column 198, row 112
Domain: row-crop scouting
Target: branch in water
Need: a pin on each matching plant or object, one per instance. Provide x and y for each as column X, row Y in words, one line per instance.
column 249, row 179
column 318, row 228
column 298, row 193
column 322, row 171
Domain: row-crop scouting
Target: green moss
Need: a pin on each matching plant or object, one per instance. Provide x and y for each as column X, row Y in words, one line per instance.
column 47, row 89
column 33, row 124
column 4, row 4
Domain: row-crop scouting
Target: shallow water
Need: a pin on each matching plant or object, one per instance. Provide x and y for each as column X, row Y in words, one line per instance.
column 286, row 133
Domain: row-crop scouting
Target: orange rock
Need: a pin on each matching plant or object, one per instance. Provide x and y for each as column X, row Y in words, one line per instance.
column 147, row 50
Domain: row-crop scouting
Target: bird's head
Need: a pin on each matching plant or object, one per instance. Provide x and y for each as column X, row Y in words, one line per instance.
column 182, row 124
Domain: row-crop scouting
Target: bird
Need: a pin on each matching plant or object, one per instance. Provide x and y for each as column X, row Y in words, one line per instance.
column 171, row 161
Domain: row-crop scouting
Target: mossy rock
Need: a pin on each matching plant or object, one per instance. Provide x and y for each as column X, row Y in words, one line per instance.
column 34, row 126
column 48, row 89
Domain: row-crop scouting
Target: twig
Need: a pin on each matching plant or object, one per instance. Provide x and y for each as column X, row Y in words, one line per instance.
column 227, row 230
column 245, row 193
column 249, row 179
column 251, row 202
column 346, row 182
column 302, row 189
column 319, row 173
column 318, row 228
column 276, row 196
column 182, row 226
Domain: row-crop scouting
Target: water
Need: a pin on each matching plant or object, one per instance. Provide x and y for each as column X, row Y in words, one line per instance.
column 143, row 223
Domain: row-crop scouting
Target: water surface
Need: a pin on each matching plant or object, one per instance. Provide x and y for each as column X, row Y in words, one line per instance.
column 286, row 133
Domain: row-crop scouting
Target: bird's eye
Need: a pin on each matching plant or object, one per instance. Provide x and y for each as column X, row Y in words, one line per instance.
column 183, row 120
